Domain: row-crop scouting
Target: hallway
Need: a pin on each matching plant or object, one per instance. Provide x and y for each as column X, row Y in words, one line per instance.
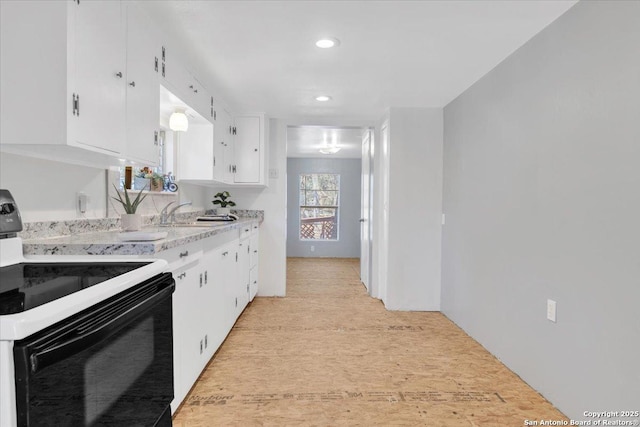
column 329, row 355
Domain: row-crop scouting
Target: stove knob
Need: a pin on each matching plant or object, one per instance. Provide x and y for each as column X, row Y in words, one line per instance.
column 7, row 208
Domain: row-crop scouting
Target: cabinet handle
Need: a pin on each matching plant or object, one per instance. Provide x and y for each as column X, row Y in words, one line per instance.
column 246, row 230
column 190, row 86
column 156, row 64
column 184, row 254
column 255, row 251
column 205, row 277
column 183, row 275
column 200, row 279
column 225, row 253
column 155, row 137
column 195, row 91
column 119, row 74
column 132, row 84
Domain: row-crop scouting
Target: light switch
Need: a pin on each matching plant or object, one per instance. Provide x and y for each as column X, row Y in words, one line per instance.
column 273, row 173
column 551, row 310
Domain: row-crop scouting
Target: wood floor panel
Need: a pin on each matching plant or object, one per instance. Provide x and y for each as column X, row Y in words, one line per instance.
column 329, row 355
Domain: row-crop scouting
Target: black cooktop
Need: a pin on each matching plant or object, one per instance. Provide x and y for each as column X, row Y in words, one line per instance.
column 28, row 285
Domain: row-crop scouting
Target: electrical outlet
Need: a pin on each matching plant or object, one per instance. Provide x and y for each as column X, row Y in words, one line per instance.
column 313, row 248
column 82, row 202
column 273, row 173
column 551, row 310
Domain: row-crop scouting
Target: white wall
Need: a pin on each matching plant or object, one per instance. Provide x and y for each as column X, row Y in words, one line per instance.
column 348, row 243
column 542, row 200
column 410, row 278
column 47, row 190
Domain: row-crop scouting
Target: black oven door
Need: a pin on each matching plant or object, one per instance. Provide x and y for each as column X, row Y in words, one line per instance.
column 109, row 365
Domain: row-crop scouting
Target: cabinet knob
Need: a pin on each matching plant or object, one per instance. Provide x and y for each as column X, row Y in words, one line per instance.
column 132, row 84
column 184, row 254
column 119, row 74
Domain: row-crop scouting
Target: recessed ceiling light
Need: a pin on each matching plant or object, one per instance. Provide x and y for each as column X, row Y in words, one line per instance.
column 327, row 43
column 323, row 98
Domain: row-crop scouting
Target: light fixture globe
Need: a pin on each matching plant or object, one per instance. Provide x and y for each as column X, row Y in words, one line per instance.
column 323, row 98
column 178, row 121
column 330, row 150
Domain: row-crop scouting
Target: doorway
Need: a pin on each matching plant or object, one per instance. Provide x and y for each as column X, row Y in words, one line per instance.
column 323, row 191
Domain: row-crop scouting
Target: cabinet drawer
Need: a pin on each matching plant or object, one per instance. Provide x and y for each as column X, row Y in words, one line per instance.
column 182, row 257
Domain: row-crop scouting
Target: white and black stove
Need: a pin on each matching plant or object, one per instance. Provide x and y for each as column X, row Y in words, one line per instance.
column 84, row 340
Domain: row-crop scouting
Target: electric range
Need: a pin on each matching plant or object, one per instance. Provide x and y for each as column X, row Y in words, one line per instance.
column 59, row 313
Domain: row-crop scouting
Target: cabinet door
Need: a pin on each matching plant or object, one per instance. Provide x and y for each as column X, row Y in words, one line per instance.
column 201, row 98
column 98, row 78
column 215, row 297
column 192, row 334
column 254, row 244
column 243, row 278
column 253, row 283
column 186, row 332
column 228, row 279
column 143, row 95
column 247, row 149
column 223, row 147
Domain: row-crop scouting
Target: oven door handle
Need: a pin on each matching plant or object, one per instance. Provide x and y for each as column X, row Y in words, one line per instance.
column 95, row 327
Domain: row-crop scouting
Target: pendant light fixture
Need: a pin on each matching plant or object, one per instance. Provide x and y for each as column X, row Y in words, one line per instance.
column 178, row 121
column 330, row 149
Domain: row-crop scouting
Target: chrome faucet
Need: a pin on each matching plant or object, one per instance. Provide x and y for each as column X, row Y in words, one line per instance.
column 169, row 217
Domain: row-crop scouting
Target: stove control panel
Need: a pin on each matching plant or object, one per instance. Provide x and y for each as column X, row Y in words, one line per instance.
column 10, row 222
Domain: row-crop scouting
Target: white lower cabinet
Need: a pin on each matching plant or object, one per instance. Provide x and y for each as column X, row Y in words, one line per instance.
column 253, row 264
column 213, row 286
column 244, row 267
column 184, row 264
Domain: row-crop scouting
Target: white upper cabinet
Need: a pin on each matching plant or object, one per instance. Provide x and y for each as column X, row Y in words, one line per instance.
column 63, row 66
column 99, row 74
column 248, row 142
column 223, row 147
column 239, row 149
column 180, row 81
column 143, row 96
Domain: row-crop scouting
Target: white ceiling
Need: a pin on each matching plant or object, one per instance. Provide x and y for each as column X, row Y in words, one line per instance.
column 261, row 56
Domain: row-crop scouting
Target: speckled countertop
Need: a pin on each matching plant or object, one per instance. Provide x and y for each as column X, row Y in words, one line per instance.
column 108, row 242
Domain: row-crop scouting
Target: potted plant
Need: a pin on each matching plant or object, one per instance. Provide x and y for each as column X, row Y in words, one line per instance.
column 221, row 199
column 130, row 220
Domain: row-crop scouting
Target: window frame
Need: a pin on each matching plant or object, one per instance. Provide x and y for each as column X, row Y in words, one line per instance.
column 336, row 207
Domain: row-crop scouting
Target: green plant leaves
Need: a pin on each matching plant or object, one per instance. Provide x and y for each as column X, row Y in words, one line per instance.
column 128, row 206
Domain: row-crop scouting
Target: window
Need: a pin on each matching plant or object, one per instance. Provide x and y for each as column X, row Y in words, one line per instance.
column 319, row 202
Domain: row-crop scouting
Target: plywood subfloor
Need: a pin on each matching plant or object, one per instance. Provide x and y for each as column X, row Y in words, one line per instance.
column 329, row 355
